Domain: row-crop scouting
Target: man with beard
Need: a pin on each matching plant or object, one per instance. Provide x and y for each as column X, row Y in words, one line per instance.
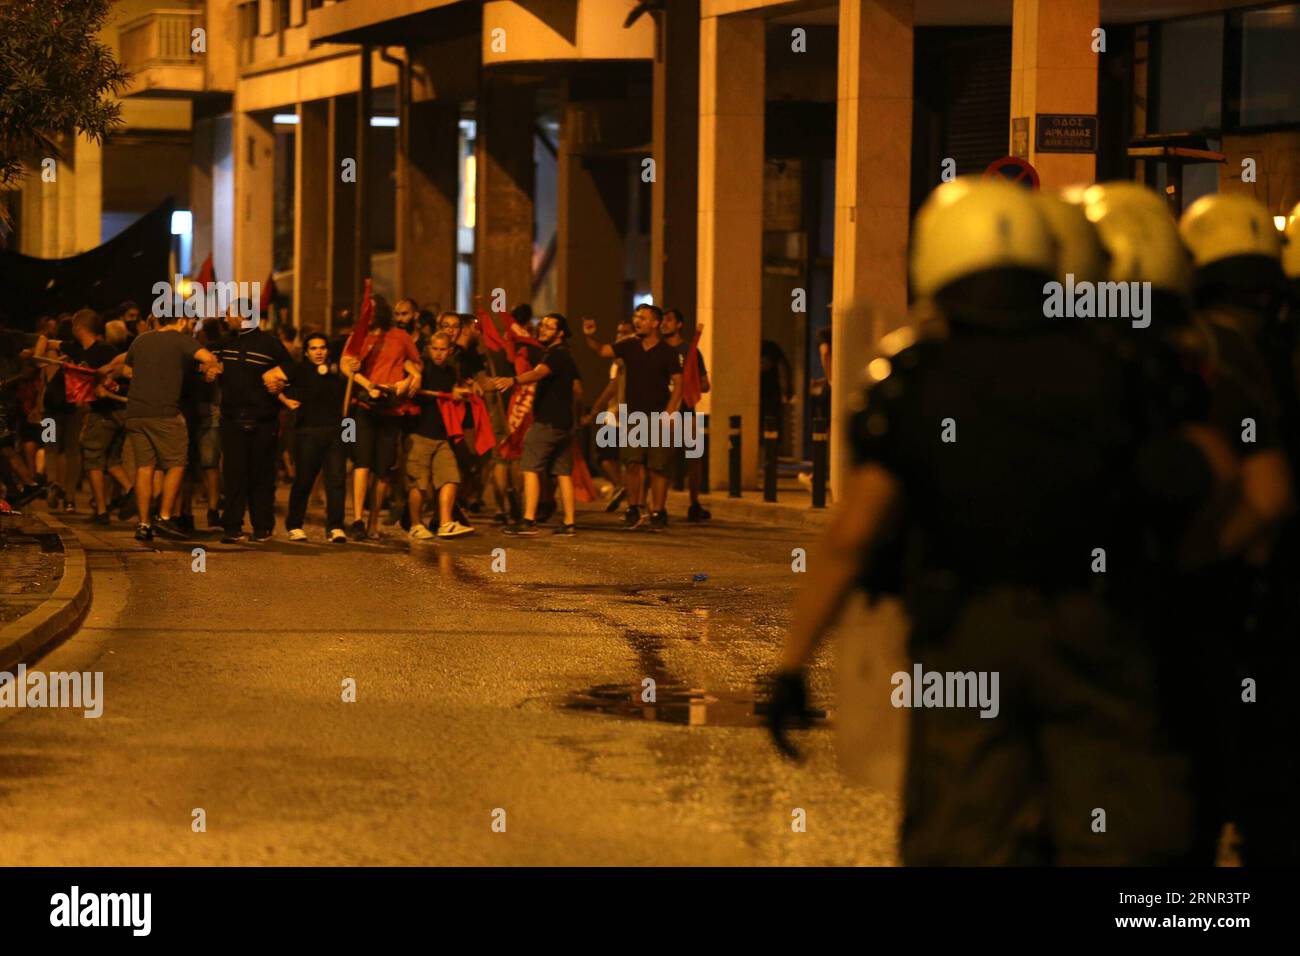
column 654, row 386
column 548, row 443
column 388, row 365
column 672, row 328
column 431, row 465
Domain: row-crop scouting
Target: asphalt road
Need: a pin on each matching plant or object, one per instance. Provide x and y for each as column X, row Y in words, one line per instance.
column 477, row 691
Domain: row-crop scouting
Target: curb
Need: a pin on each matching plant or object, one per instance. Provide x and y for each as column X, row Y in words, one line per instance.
column 752, row 509
column 58, row 615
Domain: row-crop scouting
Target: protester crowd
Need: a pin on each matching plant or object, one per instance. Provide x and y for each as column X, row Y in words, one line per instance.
column 435, row 422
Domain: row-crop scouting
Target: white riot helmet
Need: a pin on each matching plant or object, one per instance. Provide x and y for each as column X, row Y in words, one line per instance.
column 1227, row 225
column 972, row 225
column 1140, row 236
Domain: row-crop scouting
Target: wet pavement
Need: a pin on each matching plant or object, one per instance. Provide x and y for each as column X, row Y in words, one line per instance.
column 523, row 690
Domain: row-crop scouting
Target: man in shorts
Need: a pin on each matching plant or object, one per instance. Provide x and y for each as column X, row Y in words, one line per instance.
column 155, row 427
column 654, row 386
column 387, row 370
column 548, row 443
column 431, row 466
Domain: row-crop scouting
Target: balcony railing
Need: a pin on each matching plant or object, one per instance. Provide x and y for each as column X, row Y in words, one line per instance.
column 160, row 38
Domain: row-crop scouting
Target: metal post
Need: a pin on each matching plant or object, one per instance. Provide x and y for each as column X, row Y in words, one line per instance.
column 819, row 458
column 733, row 461
column 702, row 422
column 683, row 463
column 771, row 448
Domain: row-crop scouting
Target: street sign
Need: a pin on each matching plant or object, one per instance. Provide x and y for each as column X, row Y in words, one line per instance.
column 1015, row 170
column 1067, row 133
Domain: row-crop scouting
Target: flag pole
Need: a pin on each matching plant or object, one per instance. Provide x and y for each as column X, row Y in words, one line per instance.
column 365, row 301
column 512, row 494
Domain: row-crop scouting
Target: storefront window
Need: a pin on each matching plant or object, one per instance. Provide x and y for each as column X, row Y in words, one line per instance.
column 1189, row 89
column 1270, row 65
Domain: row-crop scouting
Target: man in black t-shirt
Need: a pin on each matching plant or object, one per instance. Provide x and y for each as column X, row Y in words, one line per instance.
column 431, row 466
column 672, row 330
column 155, row 427
column 548, row 443
column 104, row 432
column 254, row 371
column 654, row 386
column 315, row 393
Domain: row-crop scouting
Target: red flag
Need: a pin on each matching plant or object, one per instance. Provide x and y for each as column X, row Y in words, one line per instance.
column 78, row 384
column 487, row 328
column 519, row 414
column 584, row 489
column 206, row 273
column 484, row 438
column 359, row 331
column 518, row 419
column 516, row 335
column 691, row 384
column 268, row 294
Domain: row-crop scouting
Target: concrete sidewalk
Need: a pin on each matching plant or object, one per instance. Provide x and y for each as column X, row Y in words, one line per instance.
column 792, row 509
column 58, row 614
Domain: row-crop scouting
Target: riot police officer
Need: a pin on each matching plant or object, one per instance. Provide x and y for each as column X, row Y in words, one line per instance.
column 1241, row 293
column 1291, row 252
column 1012, row 452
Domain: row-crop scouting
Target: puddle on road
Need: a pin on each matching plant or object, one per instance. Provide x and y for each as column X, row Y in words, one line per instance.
column 676, row 704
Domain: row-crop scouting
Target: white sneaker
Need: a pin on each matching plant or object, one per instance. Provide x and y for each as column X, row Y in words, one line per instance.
column 338, row 536
column 420, row 533
column 454, row 529
column 297, row 534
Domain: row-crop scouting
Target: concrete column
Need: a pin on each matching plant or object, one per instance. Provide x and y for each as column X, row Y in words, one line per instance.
column 254, row 148
column 76, row 199
column 341, row 216
column 1053, row 70
column 89, row 196
column 361, row 260
column 65, row 209
column 730, row 231
column 591, row 239
column 503, row 228
column 223, row 196
column 426, row 240
column 31, row 239
column 202, row 161
column 873, row 158
column 49, row 205
column 311, row 216
column 676, row 131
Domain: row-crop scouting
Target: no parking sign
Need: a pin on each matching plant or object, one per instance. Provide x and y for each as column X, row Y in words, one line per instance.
column 1014, row 170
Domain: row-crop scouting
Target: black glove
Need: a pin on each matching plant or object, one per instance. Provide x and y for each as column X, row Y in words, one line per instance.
column 787, row 708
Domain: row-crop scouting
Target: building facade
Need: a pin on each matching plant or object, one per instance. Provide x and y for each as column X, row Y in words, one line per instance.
column 753, row 162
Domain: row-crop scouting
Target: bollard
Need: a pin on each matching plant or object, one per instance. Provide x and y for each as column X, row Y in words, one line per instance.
column 681, row 462
column 819, row 458
column 771, row 447
column 733, row 459
column 702, row 422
